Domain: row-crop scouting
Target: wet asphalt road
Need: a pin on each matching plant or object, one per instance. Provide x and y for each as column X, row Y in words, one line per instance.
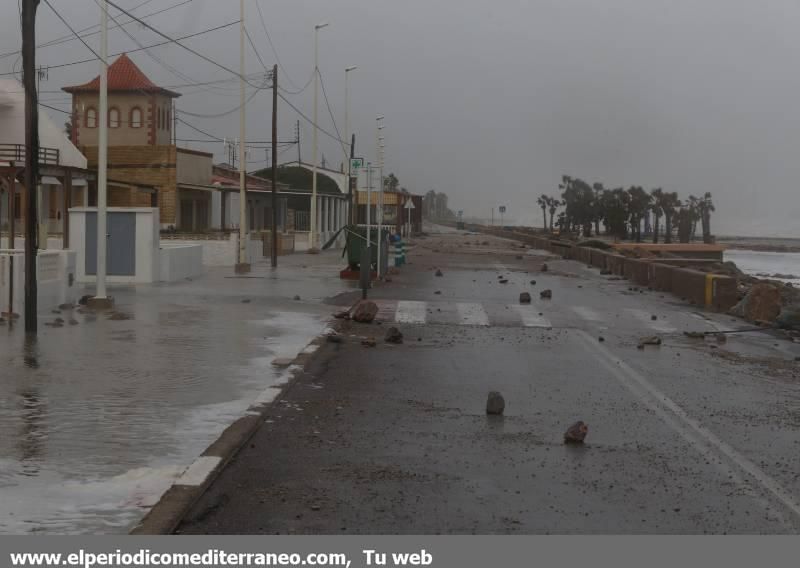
column 689, row 437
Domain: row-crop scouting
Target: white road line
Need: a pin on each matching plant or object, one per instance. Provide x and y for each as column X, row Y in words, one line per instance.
column 472, row 314
column 705, row 442
column 410, row 312
column 645, row 317
column 530, row 316
column 200, row 469
column 587, row 313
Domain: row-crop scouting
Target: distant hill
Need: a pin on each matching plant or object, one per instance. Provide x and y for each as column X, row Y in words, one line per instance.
column 300, row 178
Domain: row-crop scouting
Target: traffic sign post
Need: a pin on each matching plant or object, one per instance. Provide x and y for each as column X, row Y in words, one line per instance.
column 408, row 207
column 502, row 210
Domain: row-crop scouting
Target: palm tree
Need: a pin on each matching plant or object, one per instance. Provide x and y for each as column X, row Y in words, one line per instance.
column 656, row 197
column 542, row 202
column 553, row 204
column 638, row 204
column 597, row 205
column 706, row 206
column 669, row 204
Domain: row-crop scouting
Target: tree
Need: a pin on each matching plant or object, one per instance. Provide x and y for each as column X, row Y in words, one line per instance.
column 553, row 204
column 669, row 205
column 597, row 206
column 578, row 198
column 656, row 197
column 638, row 204
column 68, row 129
column 615, row 212
column 390, row 182
column 706, row 206
column 542, row 202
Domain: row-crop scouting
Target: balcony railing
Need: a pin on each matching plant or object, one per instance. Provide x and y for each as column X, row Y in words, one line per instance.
column 16, row 153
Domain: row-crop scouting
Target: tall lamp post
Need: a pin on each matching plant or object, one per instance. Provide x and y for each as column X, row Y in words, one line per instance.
column 348, row 151
column 313, row 229
column 379, row 208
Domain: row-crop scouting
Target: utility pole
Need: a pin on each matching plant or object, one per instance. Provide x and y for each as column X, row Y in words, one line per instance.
column 101, row 299
column 312, row 243
column 297, row 141
column 242, row 266
column 352, row 206
column 31, row 159
column 274, row 166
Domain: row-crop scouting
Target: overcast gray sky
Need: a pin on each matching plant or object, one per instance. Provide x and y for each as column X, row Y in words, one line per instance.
column 491, row 102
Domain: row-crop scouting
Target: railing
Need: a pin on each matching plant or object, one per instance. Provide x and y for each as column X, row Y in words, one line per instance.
column 302, row 221
column 16, row 153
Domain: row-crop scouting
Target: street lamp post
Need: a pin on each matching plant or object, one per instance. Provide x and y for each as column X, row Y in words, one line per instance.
column 348, row 152
column 313, row 228
column 379, row 212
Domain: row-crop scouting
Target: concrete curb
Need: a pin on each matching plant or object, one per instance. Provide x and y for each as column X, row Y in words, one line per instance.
column 165, row 516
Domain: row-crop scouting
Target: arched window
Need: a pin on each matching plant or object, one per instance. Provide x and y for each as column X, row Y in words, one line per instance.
column 91, row 118
column 113, row 117
column 136, row 117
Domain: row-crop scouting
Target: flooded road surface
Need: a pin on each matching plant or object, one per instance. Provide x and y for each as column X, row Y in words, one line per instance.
column 690, row 436
column 98, row 418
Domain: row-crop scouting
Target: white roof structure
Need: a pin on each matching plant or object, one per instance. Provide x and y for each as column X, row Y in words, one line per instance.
column 12, row 126
column 338, row 177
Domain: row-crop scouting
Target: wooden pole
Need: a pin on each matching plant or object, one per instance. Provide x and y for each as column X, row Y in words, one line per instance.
column 67, row 205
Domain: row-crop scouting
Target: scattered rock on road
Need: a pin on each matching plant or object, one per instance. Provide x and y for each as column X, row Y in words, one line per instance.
column 722, row 338
column 333, row 338
column 344, row 314
column 651, row 340
column 576, row 433
column 67, row 306
column 694, row 334
column 368, row 342
column 365, row 311
column 495, row 403
column 503, row 281
column 296, row 298
column 393, row 335
column 533, row 282
column 119, row 316
column 439, row 272
column 246, row 301
column 524, row 298
column 519, row 257
column 544, row 267
column 601, row 339
column 654, row 317
column 546, row 294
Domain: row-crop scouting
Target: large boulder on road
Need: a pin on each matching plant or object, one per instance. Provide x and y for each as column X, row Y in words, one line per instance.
column 789, row 317
column 761, row 303
column 365, row 311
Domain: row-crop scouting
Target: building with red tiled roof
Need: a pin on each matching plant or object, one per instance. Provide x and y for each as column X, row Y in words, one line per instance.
column 141, row 146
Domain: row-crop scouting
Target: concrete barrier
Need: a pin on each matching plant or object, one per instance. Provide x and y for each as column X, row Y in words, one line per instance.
column 179, row 262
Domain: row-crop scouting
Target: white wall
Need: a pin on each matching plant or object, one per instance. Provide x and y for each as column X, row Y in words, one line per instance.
column 179, row 262
column 55, row 274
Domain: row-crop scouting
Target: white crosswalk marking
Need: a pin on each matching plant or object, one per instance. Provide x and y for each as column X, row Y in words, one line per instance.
column 410, row 312
column 646, row 317
column 587, row 313
column 530, row 316
column 472, row 314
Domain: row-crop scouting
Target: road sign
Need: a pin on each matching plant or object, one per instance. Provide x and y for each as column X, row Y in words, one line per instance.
column 409, row 204
column 356, row 164
column 502, row 209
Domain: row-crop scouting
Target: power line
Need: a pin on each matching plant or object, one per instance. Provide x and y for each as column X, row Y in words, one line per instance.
column 71, row 29
column 221, row 114
column 330, row 112
column 229, row 24
column 311, row 122
column 178, row 43
column 258, row 55
column 70, row 37
column 275, row 52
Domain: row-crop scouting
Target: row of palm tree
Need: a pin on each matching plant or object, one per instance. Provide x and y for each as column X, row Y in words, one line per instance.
column 623, row 212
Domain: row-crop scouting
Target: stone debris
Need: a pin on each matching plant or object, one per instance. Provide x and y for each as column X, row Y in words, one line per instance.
column 343, row 314
column 282, row 362
column 601, row 339
column 524, row 298
column 67, row 306
column 393, row 335
column 246, row 301
column 533, row 282
column 651, row 340
column 503, row 281
column 438, row 292
column 59, row 320
column 365, row 311
column 576, row 433
column 84, row 300
column 546, row 294
column 495, row 403
column 695, row 334
column 119, row 316
column 721, row 338
column 544, row 267
column 369, row 342
column 54, row 324
column 296, row 298
column 439, row 272
column 654, row 317
column 55, row 311
column 333, row 338
column 519, row 257
column 605, row 272
column 72, row 321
